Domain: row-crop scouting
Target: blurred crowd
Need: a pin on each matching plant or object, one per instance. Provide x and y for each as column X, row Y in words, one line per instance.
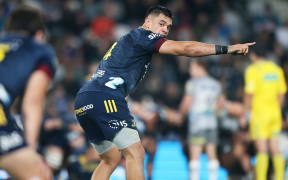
column 81, row 32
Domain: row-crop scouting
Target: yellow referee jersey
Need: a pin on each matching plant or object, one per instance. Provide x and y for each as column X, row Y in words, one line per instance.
column 265, row 80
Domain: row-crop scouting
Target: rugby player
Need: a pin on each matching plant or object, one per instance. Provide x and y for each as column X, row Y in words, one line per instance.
column 201, row 101
column 100, row 104
column 27, row 66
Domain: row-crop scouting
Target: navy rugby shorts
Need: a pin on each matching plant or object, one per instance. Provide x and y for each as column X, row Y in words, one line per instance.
column 11, row 136
column 102, row 115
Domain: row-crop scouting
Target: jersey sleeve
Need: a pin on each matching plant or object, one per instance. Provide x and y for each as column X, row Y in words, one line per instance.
column 189, row 88
column 282, row 82
column 47, row 62
column 250, row 81
column 152, row 41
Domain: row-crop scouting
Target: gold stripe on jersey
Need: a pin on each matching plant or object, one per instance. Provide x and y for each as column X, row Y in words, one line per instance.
column 3, row 120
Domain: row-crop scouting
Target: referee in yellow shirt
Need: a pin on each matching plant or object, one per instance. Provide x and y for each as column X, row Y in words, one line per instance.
column 265, row 89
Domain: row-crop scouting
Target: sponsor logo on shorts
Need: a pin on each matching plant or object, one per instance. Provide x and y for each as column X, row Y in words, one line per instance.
column 83, row 109
column 99, row 73
column 115, row 124
column 10, row 141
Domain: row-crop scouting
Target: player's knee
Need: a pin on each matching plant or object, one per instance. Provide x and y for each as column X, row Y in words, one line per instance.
column 111, row 158
column 46, row 174
column 112, row 161
column 275, row 151
column 135, row 152
column 42, row 172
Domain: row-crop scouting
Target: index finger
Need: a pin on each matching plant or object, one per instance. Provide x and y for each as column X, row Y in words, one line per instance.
column 251, row 44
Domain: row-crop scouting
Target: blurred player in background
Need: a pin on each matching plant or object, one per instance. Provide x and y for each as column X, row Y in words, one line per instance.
column 27, row 67
column 265, row 89
column 100, row 105
column 202, row 95
column 146, row 115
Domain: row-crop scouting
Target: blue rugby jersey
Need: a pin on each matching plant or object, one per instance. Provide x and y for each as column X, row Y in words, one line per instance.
column 19, row 57
column 125, row 63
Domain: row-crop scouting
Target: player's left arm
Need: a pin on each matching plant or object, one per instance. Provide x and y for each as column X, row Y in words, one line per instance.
column 185, row 104
column 247, row 102
column 196, row 49
column 187, row 100
column 32, row 107
column 282, row 88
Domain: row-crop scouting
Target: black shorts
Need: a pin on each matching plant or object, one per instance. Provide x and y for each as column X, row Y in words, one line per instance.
column 11, row 136
column 102, row 115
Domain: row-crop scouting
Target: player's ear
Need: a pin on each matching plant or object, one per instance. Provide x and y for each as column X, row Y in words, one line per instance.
column 148, row 19
column 39, row 36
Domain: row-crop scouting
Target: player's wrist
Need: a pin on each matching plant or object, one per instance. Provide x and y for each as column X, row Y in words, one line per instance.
column 219, row 49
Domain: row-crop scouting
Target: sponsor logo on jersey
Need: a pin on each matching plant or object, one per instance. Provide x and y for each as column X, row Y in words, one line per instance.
column 83, row 109
column 10, row 141
column 270, row 77
column 115, row 124
column 99, row 73
column 153, row 35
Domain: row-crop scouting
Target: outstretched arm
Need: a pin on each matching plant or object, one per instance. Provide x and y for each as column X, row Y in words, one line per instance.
column 194, row 48
column 32, row 106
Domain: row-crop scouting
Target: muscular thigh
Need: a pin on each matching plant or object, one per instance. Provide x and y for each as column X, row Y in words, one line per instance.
column 14, row 162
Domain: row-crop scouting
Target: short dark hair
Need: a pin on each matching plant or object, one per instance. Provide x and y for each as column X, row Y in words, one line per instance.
column 156, row 10
column 25, row 19
column 203, row 63
column 259, row 50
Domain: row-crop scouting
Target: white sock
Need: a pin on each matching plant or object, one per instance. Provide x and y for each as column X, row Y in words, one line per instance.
column 213, row 169
column 194, row 166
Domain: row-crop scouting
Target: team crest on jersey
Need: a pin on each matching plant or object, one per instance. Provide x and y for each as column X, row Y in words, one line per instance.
column 153, row 35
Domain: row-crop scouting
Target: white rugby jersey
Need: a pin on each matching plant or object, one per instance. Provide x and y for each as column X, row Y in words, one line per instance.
column 202, row 112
